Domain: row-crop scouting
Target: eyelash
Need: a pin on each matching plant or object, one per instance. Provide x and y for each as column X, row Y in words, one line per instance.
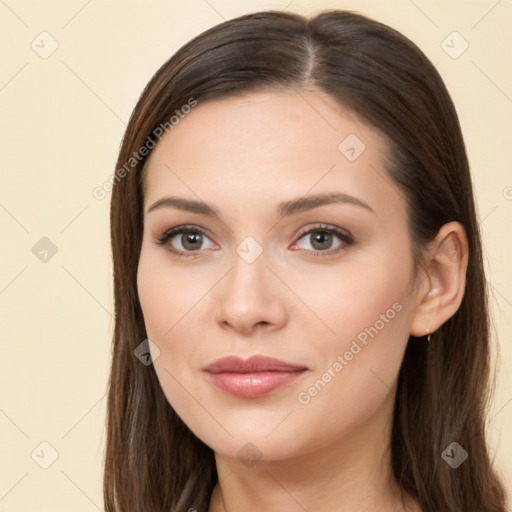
column 345, row 238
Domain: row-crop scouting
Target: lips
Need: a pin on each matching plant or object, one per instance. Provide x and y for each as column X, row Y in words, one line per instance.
column 253, row 377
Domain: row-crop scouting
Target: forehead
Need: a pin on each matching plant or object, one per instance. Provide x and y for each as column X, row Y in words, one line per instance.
column 253, row 150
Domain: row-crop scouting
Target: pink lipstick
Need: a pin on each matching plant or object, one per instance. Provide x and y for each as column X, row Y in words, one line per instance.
column 253, row 377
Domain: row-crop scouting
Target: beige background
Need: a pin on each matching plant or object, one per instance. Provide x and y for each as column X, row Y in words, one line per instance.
column 62, row 118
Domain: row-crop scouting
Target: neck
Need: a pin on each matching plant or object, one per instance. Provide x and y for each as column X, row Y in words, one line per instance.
column 352, row 473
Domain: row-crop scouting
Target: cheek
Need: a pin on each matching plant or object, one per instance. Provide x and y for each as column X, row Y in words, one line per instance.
column 166, row 294
column 362, row 299
column 162, row 307
column 360, row 363
column 169, row 299
column 164, row 302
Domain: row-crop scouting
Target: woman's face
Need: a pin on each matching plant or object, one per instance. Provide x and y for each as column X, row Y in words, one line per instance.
column 278, row 271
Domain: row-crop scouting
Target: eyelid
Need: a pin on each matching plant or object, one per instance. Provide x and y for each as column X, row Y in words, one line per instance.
column 328, row 227
column 176, row 230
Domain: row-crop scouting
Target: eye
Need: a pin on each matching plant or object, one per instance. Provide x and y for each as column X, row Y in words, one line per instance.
column 324, row 240
column 185, row 240
column 321, row 240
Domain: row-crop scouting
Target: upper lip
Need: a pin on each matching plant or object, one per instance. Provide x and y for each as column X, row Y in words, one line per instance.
column 255, row 364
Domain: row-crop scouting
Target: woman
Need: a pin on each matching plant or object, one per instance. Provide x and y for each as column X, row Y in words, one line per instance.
column 301, row 315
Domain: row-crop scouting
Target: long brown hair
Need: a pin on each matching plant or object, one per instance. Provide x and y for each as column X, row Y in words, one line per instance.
column 153, row 462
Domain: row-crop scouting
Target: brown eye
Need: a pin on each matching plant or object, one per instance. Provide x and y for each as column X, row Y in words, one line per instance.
column 324, row 240
column 191, row 240
column 185, row 241
column 321, row 239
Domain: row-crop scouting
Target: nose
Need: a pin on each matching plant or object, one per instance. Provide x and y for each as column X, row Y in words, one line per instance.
column 251, row 298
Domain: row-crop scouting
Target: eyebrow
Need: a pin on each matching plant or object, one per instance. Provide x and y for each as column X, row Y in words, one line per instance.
column 284, row 209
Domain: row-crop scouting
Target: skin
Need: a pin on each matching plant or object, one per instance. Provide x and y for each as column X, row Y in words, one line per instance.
column 243, row 156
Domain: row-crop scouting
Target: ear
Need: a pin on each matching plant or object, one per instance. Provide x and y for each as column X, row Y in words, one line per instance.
column 443, row 281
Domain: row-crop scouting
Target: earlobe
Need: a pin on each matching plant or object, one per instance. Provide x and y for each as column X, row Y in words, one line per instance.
column 444, row 280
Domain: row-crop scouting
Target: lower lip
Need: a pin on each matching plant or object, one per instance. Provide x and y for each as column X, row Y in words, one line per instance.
column 253, row 385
